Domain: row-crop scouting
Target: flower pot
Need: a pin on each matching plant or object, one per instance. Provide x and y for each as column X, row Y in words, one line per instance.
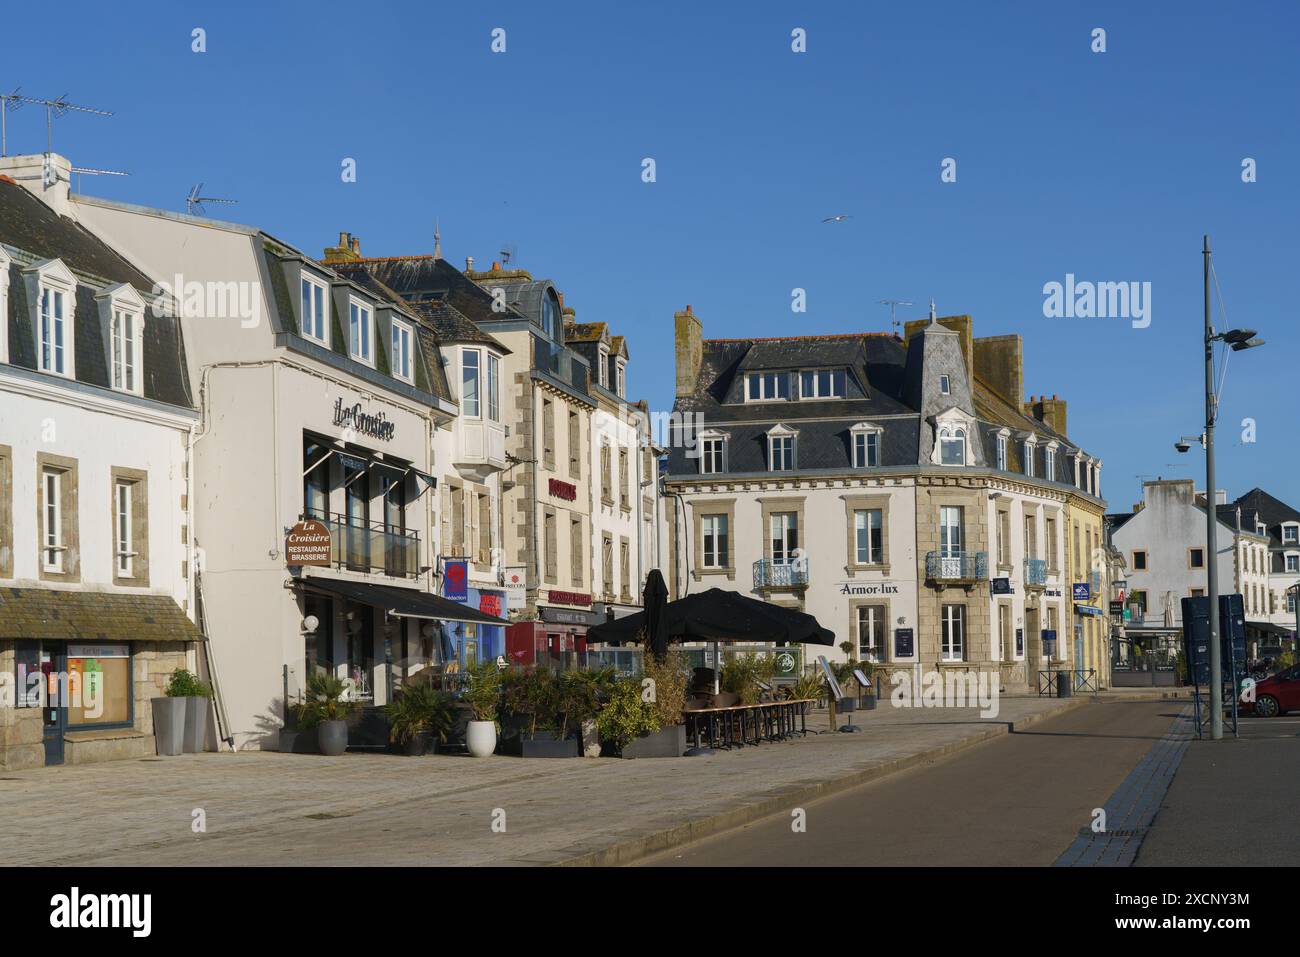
column 590, row 739
column 169, row 725
column 196, row 724
column 669, row 742
column 545, row 745
column 417, row 744
column 481, row 738
column 333, row 737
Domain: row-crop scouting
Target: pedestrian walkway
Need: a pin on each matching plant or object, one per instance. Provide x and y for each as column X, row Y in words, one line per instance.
column 257, row 808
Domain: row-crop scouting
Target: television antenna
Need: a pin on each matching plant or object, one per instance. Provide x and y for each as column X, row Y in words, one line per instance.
column 53, row 108
column 194, row 202
column 508, row 252
column 893, row 305
column 89, row 171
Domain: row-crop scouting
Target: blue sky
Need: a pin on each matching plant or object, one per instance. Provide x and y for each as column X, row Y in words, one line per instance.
column 1109, row 166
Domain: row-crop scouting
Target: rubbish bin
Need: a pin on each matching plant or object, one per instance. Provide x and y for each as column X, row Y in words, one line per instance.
column 1064, row 684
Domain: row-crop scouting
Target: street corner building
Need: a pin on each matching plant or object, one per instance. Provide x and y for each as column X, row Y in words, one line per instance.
column 97, row 423
column 900, row 488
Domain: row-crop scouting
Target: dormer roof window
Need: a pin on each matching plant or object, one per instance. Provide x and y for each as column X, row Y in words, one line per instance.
column 1290, row 532
column 361, row 331
column 122, row 312
column 313, row 306
column 952, row 445
column 550, row 314
column 865, row 442
column 4, row 305
column 767, row 386
column 945, row 385
column 55, row 305
column 781, row 450
column 822, row 384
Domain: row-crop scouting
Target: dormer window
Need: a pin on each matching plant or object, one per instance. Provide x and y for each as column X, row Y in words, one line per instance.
column 767, row 386
column 401, row 361
column 313, row 298
column 1049, row 463
column 781, row 449
column 4, row 306
column 1002, row 451
column 602, row 368
column 360, row 319
column 952, row 445
column 713, row 453
column 55, row 298
column 822, row 384
column 549, row 313
column 1030, row 447
column 126, row 333
column 945, row 385
column 620, row 378
column 865, row 440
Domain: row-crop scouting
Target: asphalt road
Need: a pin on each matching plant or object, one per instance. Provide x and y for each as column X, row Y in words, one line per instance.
column 1018, row 800
column 1234, row 802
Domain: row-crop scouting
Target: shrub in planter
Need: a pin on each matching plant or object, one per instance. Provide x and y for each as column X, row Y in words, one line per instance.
column 483, row 696
column 670, row 676
column 419, row 714
column 626, row 716
column 810, row 686
column 325, row 707
column 740, row 675
column 185, row 685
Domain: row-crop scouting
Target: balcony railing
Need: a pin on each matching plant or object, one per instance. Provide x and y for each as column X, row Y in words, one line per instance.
column 1035, row 572
column 956, row 566
column 771, row 574
column 371, row 547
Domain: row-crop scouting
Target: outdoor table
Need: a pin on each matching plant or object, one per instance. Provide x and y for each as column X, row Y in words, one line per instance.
column 742, row 724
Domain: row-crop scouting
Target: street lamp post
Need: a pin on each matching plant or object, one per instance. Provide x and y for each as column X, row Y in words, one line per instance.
column 1237, row 340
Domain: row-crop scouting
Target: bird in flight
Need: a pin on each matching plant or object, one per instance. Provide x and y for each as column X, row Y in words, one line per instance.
column 836, row 219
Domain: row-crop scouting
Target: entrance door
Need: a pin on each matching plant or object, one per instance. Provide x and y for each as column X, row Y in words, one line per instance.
column 54, row 668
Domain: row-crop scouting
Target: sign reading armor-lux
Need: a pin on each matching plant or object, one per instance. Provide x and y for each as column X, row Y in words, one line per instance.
column 868, row 588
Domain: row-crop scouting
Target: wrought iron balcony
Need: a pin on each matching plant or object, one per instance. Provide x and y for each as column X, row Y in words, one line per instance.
column 1035, row 572
column 370, row 547
column 957, row 567
column 771, row 574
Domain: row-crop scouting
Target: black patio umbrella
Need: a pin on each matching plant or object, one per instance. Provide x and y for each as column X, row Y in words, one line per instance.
column 655, row 597
column 719, row 615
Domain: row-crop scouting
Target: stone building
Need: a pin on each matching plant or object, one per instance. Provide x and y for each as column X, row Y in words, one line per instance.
column 899, row 488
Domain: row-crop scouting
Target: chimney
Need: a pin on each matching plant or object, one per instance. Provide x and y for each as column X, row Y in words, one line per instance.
column 469, row 263
column 999, row 361
column 348, row 249
column 688, row 332
column 46, row 176
column 1050, row 412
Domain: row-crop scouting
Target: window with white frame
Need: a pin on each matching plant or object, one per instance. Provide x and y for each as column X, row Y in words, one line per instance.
column 781, row 452
column 620, row 383
column 1291, row 532
column 55, row 331
column 868, row 538
column 866, row 446
column 52, row 544
column 714, row 533
column 1293, row 561
column 359, row 332
column 1049, row 464
column 953, row 625
column 1002, row 453
column 1290, row 602
column 125, row 550
column 1029, row 448
column 713, row 455
column 822, row 384
column 469, row 382
column 4, row 306
column 766, row 386
column 126, row 334
column 602, row 367
column 494, row 387
column 313, row 298
column 401, row 362
column 952, row 445
column 945, row 385
column 784, row 537
column 872, row 621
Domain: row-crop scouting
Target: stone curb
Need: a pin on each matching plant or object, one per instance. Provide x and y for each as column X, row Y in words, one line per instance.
column 634, row 848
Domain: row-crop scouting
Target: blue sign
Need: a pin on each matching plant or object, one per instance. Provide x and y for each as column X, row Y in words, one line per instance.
column 455, row 580
column 1082, row 591
column 1002, row 586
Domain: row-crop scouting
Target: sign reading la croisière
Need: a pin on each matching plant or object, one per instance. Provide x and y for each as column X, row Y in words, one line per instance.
column 308, row 543
column 353, row 417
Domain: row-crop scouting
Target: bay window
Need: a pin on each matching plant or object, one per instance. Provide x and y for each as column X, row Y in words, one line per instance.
column 469, row 377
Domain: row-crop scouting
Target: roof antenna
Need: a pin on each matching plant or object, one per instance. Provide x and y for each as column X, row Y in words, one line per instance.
column 437, row 240
column 508, row 251
column 88, row 171
column 894, row 304
column 53, row 108
column 194, row 202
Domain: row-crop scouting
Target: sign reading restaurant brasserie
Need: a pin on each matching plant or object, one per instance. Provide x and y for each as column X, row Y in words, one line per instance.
column 308, row 543
column 351, row 417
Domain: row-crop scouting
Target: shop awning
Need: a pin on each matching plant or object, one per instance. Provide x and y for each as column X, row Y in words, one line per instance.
column 1269, row 628
column 402, row 602
column 51, row 614
column 1087, row 610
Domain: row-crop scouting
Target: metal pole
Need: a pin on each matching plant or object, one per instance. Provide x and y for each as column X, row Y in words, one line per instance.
column 1212, row 518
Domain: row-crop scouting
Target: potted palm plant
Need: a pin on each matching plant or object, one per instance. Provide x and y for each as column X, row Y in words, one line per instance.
column 420, row 716
column 325, row 707
column 483, row 695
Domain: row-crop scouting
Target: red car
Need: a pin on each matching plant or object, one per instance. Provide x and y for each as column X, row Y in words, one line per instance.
column 1277, row 694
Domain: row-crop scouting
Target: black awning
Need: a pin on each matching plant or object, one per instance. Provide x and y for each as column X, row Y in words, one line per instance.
column 403, row 602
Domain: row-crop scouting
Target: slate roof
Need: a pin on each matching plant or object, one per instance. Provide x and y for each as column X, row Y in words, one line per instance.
column 32, row 228
column 452, row 325
column 1271, row 511
column 56, row 615
column 422, row 279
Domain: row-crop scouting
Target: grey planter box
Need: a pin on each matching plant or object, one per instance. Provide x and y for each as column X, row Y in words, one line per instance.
column 667, row 742
column 293, row 741
column 545, row 745
column 196, row 724
column 169, row 725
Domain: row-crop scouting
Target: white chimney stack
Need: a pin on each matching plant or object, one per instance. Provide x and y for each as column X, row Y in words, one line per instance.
column 47, row 176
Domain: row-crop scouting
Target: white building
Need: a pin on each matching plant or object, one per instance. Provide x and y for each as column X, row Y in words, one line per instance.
column 1281, row 523
column 97, row 422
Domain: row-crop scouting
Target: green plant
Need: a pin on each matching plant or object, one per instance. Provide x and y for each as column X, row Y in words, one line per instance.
column 808, row 686
column 324, row 700
column 626, row 715
column 186, row 684
column 416, row 708
column 741, row 675
column 670, row 677
column 483, row 690
column 532, row 693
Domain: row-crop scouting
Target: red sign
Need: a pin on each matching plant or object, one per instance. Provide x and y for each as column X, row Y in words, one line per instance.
column 565, row 490
column 570, row 597
column 490, row 604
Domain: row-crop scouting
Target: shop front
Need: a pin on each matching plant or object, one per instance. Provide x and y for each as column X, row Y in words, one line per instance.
column 556, row 639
